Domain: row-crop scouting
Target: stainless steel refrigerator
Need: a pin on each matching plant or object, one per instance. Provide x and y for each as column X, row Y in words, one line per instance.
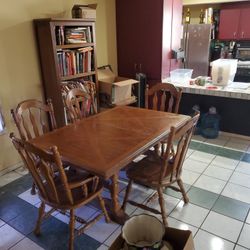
column 196, row 46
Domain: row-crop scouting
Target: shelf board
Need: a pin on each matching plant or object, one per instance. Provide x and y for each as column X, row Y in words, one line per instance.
column 65, row 78
column 73, row 45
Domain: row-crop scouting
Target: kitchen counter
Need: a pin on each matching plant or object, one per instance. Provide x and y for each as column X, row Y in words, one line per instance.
column 209, row 89
column 232, row 105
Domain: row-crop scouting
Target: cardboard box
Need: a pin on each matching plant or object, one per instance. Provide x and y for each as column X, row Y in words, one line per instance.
column 179, row 240
column 84, row 11
column 117, row 88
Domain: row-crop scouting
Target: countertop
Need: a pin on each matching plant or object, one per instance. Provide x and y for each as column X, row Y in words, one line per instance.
column 209, row 89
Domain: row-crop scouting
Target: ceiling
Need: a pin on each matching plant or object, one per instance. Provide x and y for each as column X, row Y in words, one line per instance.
column 192, row 2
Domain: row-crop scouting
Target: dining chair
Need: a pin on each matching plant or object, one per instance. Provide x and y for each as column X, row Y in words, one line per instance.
column 78, row 104
column 30, row 117
column 61, row 190
column 163, row 97
column 161, row 172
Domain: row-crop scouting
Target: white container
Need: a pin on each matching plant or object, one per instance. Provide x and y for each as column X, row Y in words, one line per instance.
column 223, row 71
column 181, row 75
column 143, row 231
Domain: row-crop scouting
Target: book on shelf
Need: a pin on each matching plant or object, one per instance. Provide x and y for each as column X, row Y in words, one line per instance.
column 89, row 35
column 73, row 35
column 77, row 61
column 60, row 39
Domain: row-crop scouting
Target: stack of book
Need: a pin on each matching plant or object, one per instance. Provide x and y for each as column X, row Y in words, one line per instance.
column 73, row 35
column 71, row 62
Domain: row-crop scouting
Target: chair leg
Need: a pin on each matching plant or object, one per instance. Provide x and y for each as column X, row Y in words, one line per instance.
column 39, row 219
column 71, row 229
column 102, row 204
column 162, row 205
column 184, row 195
column 127, row 194
column 33, row 189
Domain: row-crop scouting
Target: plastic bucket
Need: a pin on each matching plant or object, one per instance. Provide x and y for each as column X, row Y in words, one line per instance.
column 223, row 71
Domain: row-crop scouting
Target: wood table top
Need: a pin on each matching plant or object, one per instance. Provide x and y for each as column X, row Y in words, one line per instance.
column 105, row 143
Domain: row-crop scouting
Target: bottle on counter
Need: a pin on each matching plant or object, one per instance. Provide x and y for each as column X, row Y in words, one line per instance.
column 188, row 16
column 202, row 16
column 209, row 15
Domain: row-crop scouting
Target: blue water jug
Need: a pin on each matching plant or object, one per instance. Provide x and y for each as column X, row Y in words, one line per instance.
column 210, row 122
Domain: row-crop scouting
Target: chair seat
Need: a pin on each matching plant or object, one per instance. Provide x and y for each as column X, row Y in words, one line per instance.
column 77, row 193
column 147, row 171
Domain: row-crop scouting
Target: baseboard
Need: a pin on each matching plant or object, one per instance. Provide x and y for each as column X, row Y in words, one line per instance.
column 11, row 168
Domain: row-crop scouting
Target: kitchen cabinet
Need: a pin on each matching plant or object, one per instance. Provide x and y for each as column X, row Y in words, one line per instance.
column 244, row 28
column 229, row 23
column 234, row 24
column 147, row 31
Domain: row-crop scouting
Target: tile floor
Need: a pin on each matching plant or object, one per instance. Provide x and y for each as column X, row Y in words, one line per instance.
column 216, row 174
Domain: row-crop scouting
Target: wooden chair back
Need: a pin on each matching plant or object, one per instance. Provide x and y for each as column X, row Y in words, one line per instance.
column 30, row 118
column 181, row 138
column 78, row 104
column 163, row 97
column 54, row 188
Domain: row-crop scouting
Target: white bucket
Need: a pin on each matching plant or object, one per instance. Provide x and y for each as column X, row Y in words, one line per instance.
column 223, row 71
column 143, row 232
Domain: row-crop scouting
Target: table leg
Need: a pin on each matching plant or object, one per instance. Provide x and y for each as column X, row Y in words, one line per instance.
column 115, row 192
column 117, row 214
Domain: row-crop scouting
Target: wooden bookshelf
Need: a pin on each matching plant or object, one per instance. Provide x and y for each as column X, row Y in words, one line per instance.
column 62, row 60
column 72, row 46
column 65, row 78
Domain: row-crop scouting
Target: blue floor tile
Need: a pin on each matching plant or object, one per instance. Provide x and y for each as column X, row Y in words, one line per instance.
column 232, row 154
column 55, row 235
column 11, row 206
column 246, row 157
column 202, row 197
column 210, row 149
column 232, row 208
column 194, row 145
column 26, row 221
column 18, row 186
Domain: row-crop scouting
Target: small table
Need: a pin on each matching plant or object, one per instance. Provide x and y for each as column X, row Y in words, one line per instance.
column 105, row 143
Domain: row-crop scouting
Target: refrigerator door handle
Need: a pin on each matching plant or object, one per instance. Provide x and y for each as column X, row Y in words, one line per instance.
column 186, row 49
column 185, row 41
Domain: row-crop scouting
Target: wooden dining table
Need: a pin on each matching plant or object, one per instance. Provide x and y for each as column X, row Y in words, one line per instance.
column 105, row 143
